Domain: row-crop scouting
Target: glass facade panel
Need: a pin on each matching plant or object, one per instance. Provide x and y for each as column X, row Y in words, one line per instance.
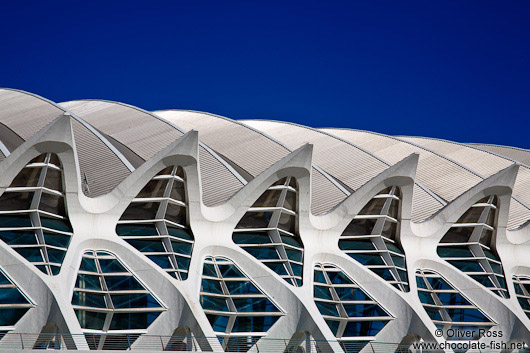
column 226, row 289
column 468, row 246
column 272, row 219
column 372, row 237
column 13, row 304
column 446, row 306
column 340, row 299
column 39, row 198
column 167, row 239
column 117, row 289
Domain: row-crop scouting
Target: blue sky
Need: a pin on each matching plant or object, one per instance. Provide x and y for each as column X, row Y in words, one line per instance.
column 458, row 70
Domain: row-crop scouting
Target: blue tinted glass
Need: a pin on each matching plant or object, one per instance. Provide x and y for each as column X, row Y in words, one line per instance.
column 240, row 287
column 211, row 286
column 213, row 303
column 346, row 293
column 3, row 279
column 368, row 259
column 262, row 252
column 136, row 229
column 55, row 255
column 364, row 310
column 253, row 323
column 218, row 322
column 89, row 299
column 338, row 278
column 9, row 317
column 183, row 262
column 445, row 251
column 294, row 241
column 57, row 224
column 115, row 283
column 322, row 292
column 363, row 328
column 433, row 313
column 90, row 320
column 230, row 271
column 483, row 279
column 11, row 296
column 209, row 270
column 132, row 321
column 294, row 255
column 161, row 260
column 327, row 309
column 147, row 245
column 181, row 248
column 466, row 266
column 297, row 269
column 319, row 277
column 420, row 282
column 18, row 237
column 30, row 254
column 333, row 325
column 9, row 221
column 111, row 265
column 356, row 245
column 251, row 238
column 425, row 297
column 277, row 267
column 393, row 247
column 254, row 305
column 57, row 239
column 466, row 315
column 399, row 261
column 134, row 300
column 88, row 265
column 180, row 233
column 88, row 282
column 438, row 283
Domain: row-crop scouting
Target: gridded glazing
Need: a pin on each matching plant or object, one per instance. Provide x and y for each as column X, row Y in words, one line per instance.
column 351, row 314
column 33, row 218
column 447, row 307
column 371, row 238
column 239, row 312
column 468, row 246
column 269, row 231
column 522, row 291
column 13, row 304
column 156, row 222
column 108, row 297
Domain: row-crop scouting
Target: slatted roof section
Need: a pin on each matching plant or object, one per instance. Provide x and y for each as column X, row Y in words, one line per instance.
column 350, row 164
column 485, row 164
column 23, row 114
column 441, row 176
column 251, row 150
column 517, row 154
column 145, row 134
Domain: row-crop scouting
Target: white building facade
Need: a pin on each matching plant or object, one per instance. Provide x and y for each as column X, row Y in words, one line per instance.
column 184, row 225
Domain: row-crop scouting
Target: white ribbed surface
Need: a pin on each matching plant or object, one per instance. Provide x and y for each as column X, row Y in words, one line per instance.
column 517, row 154
column 251, row 150
column 146, row 135
column 25, row 114
column 103, row 169
column 448, row 180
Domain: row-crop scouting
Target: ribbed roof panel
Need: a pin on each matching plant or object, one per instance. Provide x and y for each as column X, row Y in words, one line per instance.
column 24, row 113
column 146, row 135
column 517, row 154
column 251, row 150
column 443, row 177
column 101, row 170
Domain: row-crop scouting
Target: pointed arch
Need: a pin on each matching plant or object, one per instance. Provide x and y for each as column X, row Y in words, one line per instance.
column 108, row 297
column 156, row 222
column 372, row 238
column 269, row 231
column 447, row 307
column 33, row 214
column 470, row 245
column 240, row 313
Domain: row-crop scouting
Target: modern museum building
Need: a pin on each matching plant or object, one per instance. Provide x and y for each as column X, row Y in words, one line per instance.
column 182, row 230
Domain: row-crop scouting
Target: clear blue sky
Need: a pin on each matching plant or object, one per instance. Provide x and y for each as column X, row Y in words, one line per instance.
column 458, row 70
